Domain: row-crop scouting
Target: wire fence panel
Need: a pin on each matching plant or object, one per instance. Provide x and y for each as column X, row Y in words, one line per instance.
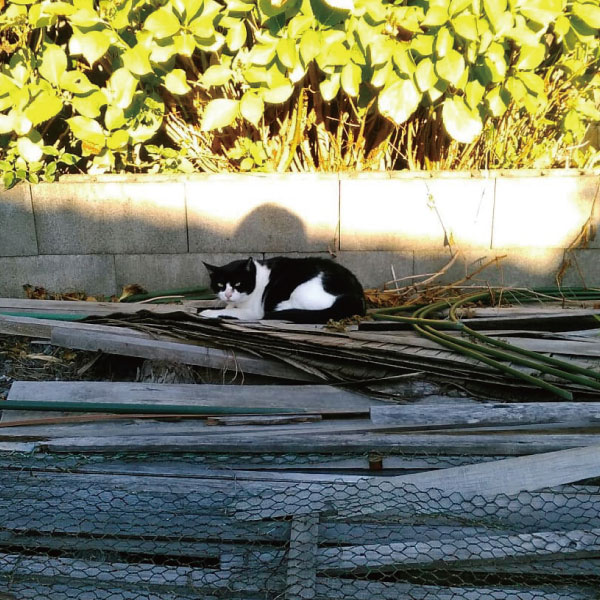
column 87, row 528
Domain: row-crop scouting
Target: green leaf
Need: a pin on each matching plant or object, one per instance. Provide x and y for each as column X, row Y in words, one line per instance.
column 252, row 108
column 185, row 44
column 7, row 123
column 236, row 36
column 162, row 52
column 137, row 60
column 329, row 88
column 162, row 23
column 351, row 76
column 340, row 4
column 444, row 42
column 262, row 54
column 286, row 52
column 588, row 13
column 121, row 87
column 423, row 44
column 118, row 140
column 462, row 123
column 435, row 16
column 516, row 89
column 216, row 75
column 474, row 92
column 176, row 82
column 466, row 27
column 87, row 130
column 28, row 150
column 76, row 82
column 494, row 9
column 121, row 18
column 54, row 64
column 203, row 28
column 497, row 100
column 93, row 45
column 543, row 12
column 399, row 100
column 310, row 45
column 279, row 93
column 89, row 105
column 425, row 75
column 219, row 113
column 335, row 54
column 530, row 57
column 85, row 17
column 451, row 67
column 114, row 118
column 533, row 83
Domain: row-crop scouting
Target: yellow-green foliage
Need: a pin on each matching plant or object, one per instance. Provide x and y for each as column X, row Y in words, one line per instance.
column 139, row 85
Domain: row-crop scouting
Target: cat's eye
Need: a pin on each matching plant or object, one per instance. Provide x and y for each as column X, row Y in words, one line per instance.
column 238, row 284
column 219, row 285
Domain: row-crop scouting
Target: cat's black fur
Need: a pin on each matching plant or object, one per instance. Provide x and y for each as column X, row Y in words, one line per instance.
column 263, row 285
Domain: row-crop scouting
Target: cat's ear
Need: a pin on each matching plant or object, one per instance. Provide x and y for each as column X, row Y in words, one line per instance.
column 209, row 268
column 249, row 264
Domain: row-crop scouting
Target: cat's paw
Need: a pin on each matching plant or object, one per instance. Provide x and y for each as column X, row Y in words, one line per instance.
column 210, row 314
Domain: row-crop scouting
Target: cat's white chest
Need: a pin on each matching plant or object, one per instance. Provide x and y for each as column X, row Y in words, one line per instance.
column 309, row 295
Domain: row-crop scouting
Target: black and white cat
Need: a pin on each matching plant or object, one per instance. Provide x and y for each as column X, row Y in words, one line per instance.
column 301, row 290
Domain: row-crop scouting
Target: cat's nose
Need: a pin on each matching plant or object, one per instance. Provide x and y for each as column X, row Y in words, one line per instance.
column 228, row 294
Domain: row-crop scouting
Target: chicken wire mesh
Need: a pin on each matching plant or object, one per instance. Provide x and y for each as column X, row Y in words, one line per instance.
column 96, row 528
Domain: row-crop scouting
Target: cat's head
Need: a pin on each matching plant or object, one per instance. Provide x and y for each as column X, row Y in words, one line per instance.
column 233, row 282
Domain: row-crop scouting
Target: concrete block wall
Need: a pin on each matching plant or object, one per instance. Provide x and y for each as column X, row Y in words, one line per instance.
column 100, row 233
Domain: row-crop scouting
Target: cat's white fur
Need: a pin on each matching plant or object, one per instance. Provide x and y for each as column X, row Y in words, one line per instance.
column 309, row 295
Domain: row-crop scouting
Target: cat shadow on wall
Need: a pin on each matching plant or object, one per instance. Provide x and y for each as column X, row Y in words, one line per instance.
column 270, row 228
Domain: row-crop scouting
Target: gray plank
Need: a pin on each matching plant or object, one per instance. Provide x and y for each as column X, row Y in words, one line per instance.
column 189, row 354
column 302, row 558
column 487, row 413
column 466, row 551
column 487, row 480
column 342, row 589
column 434, row 444
column 42, row 328
column 81, row 307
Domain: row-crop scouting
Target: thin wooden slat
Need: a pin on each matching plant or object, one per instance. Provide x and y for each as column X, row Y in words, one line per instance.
column 212, row 358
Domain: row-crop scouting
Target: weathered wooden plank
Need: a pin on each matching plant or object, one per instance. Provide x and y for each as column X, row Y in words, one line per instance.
column 81, row 307
column 342, row 589
column 318, row 398
column 438, row 443
column 189, row 354
column 150, row 427
column 42, row 328
column 151, row 577
column 36, row 590
column 543, row 544
column 486, row 413
column 487, row 480
column 302, row 558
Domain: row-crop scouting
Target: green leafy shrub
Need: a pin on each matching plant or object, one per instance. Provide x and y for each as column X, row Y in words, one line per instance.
column 148, row 85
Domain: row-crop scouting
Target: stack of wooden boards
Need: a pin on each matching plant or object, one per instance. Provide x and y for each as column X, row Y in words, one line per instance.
column 330, row 494
column 337, row 496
